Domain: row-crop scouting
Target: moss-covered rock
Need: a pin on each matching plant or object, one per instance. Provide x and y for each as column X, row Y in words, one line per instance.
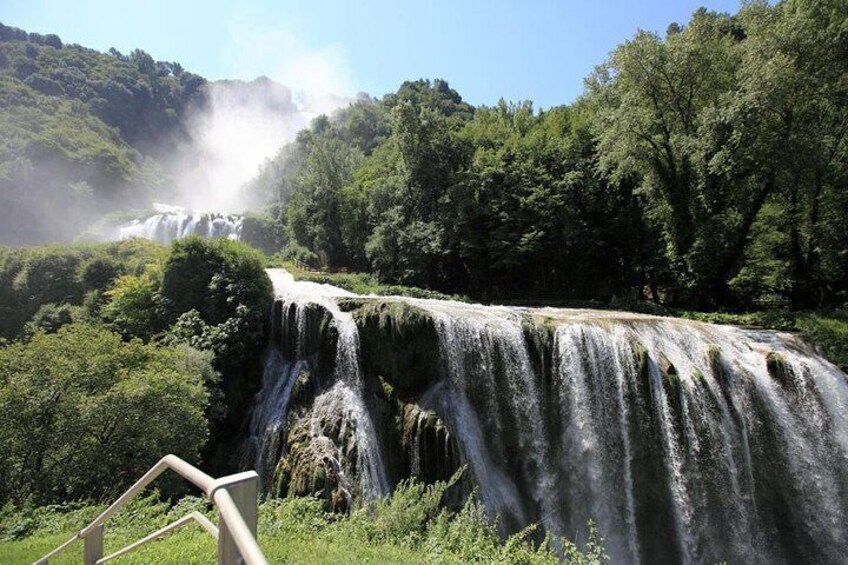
column 320, row 458
column 307, row 332
column 779, row 369
column 432, row 451
column 351, row 304
column 399, row 343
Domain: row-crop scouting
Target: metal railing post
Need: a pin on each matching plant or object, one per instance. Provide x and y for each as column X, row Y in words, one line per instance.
column 93, row 546
column 235, row 496
column 244, row 491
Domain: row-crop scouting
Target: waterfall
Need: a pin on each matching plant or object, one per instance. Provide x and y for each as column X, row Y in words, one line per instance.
column 685, row 442
column 345, row 396
column 171, row 222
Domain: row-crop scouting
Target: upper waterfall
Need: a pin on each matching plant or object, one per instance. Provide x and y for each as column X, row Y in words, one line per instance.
column 684, row 441
column 173, row 222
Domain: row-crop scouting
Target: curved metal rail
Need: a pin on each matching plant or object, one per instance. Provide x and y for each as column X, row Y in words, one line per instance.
column 235, row 497
column 162, row 532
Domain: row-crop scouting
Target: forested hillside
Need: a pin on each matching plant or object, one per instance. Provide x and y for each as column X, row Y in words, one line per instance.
column 702, row 168
column 82, row 132
column 705, row 168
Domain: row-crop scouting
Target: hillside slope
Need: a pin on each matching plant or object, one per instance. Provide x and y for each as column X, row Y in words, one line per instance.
column 83, row 132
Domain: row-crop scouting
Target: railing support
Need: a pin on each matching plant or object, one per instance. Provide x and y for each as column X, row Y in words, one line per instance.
column 93, row 546
column 243, row 489
column 235, row 496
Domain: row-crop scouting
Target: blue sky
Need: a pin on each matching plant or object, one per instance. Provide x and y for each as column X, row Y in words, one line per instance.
column 536, row 49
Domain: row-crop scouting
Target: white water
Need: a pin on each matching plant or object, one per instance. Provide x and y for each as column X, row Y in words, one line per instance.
column 740, row 461
column 172, row 222
column 344, row 397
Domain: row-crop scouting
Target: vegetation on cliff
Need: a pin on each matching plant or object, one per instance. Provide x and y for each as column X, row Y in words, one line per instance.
column 83, row 414
column 207, row 296
column 84, row 132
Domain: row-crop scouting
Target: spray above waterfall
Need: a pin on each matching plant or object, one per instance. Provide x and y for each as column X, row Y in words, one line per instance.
column 244, row 123
column 684, row 442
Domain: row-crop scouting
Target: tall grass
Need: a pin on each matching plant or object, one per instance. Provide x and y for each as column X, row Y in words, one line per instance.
column 409, row 526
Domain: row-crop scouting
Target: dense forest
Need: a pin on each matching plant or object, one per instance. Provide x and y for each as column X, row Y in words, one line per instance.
column 85, row 133
column 702, row 173
column 704, row 168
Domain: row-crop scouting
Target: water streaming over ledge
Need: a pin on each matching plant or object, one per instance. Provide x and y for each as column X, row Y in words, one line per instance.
column 171, row 222
column 684, row 441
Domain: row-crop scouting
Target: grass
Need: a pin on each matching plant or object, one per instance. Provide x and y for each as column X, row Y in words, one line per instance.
column 407, row 527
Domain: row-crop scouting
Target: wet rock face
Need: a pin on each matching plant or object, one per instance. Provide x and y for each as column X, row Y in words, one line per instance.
column 684, row 442
column 399, row 344
column 319, row 457
column 430, row 449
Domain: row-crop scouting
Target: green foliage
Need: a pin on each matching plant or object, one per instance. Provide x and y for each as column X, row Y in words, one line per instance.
column 265, row 232
column 73, row 275
column 83, row 414
column 702, row 169
column 133, row 303
column 496, row 201
column 50, row 317
column 314, row 208
column 214, row 276
column 82, row 131
column 406, row 527
column 720, row 118
column 215, row 294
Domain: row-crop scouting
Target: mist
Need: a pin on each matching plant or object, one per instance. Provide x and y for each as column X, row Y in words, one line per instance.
column 115, row 150
column 240, row 126
column 244, row 123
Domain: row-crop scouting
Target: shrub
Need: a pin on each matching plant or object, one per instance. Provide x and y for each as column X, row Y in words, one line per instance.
column 83, row 414
column 214, row 276
column 50, row 317
column 133, row 304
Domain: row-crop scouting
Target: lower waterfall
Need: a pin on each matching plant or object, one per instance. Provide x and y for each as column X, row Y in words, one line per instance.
column 685, row 442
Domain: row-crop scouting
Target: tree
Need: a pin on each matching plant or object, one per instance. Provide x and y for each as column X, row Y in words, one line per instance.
column 224, row 287
column 313, row 212
column 133, row 304
column 798, row 53
column 83, row 414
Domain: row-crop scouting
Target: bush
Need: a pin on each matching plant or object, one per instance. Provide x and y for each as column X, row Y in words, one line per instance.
column 215, row 294
column 296, row 530
column 50, row 317
column 83, row 414
column 214, row 276
column 263, row 232
column 70, row 274
column 133, row 304
column 98, row 272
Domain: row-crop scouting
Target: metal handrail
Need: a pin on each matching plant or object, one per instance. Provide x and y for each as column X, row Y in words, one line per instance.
column 162, row 532
column 217, row 491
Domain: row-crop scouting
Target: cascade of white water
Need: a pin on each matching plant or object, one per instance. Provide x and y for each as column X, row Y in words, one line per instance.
column 345, row 397
column 171, row 223
column 474, row 348
column 685, row 442
column 591, row 364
